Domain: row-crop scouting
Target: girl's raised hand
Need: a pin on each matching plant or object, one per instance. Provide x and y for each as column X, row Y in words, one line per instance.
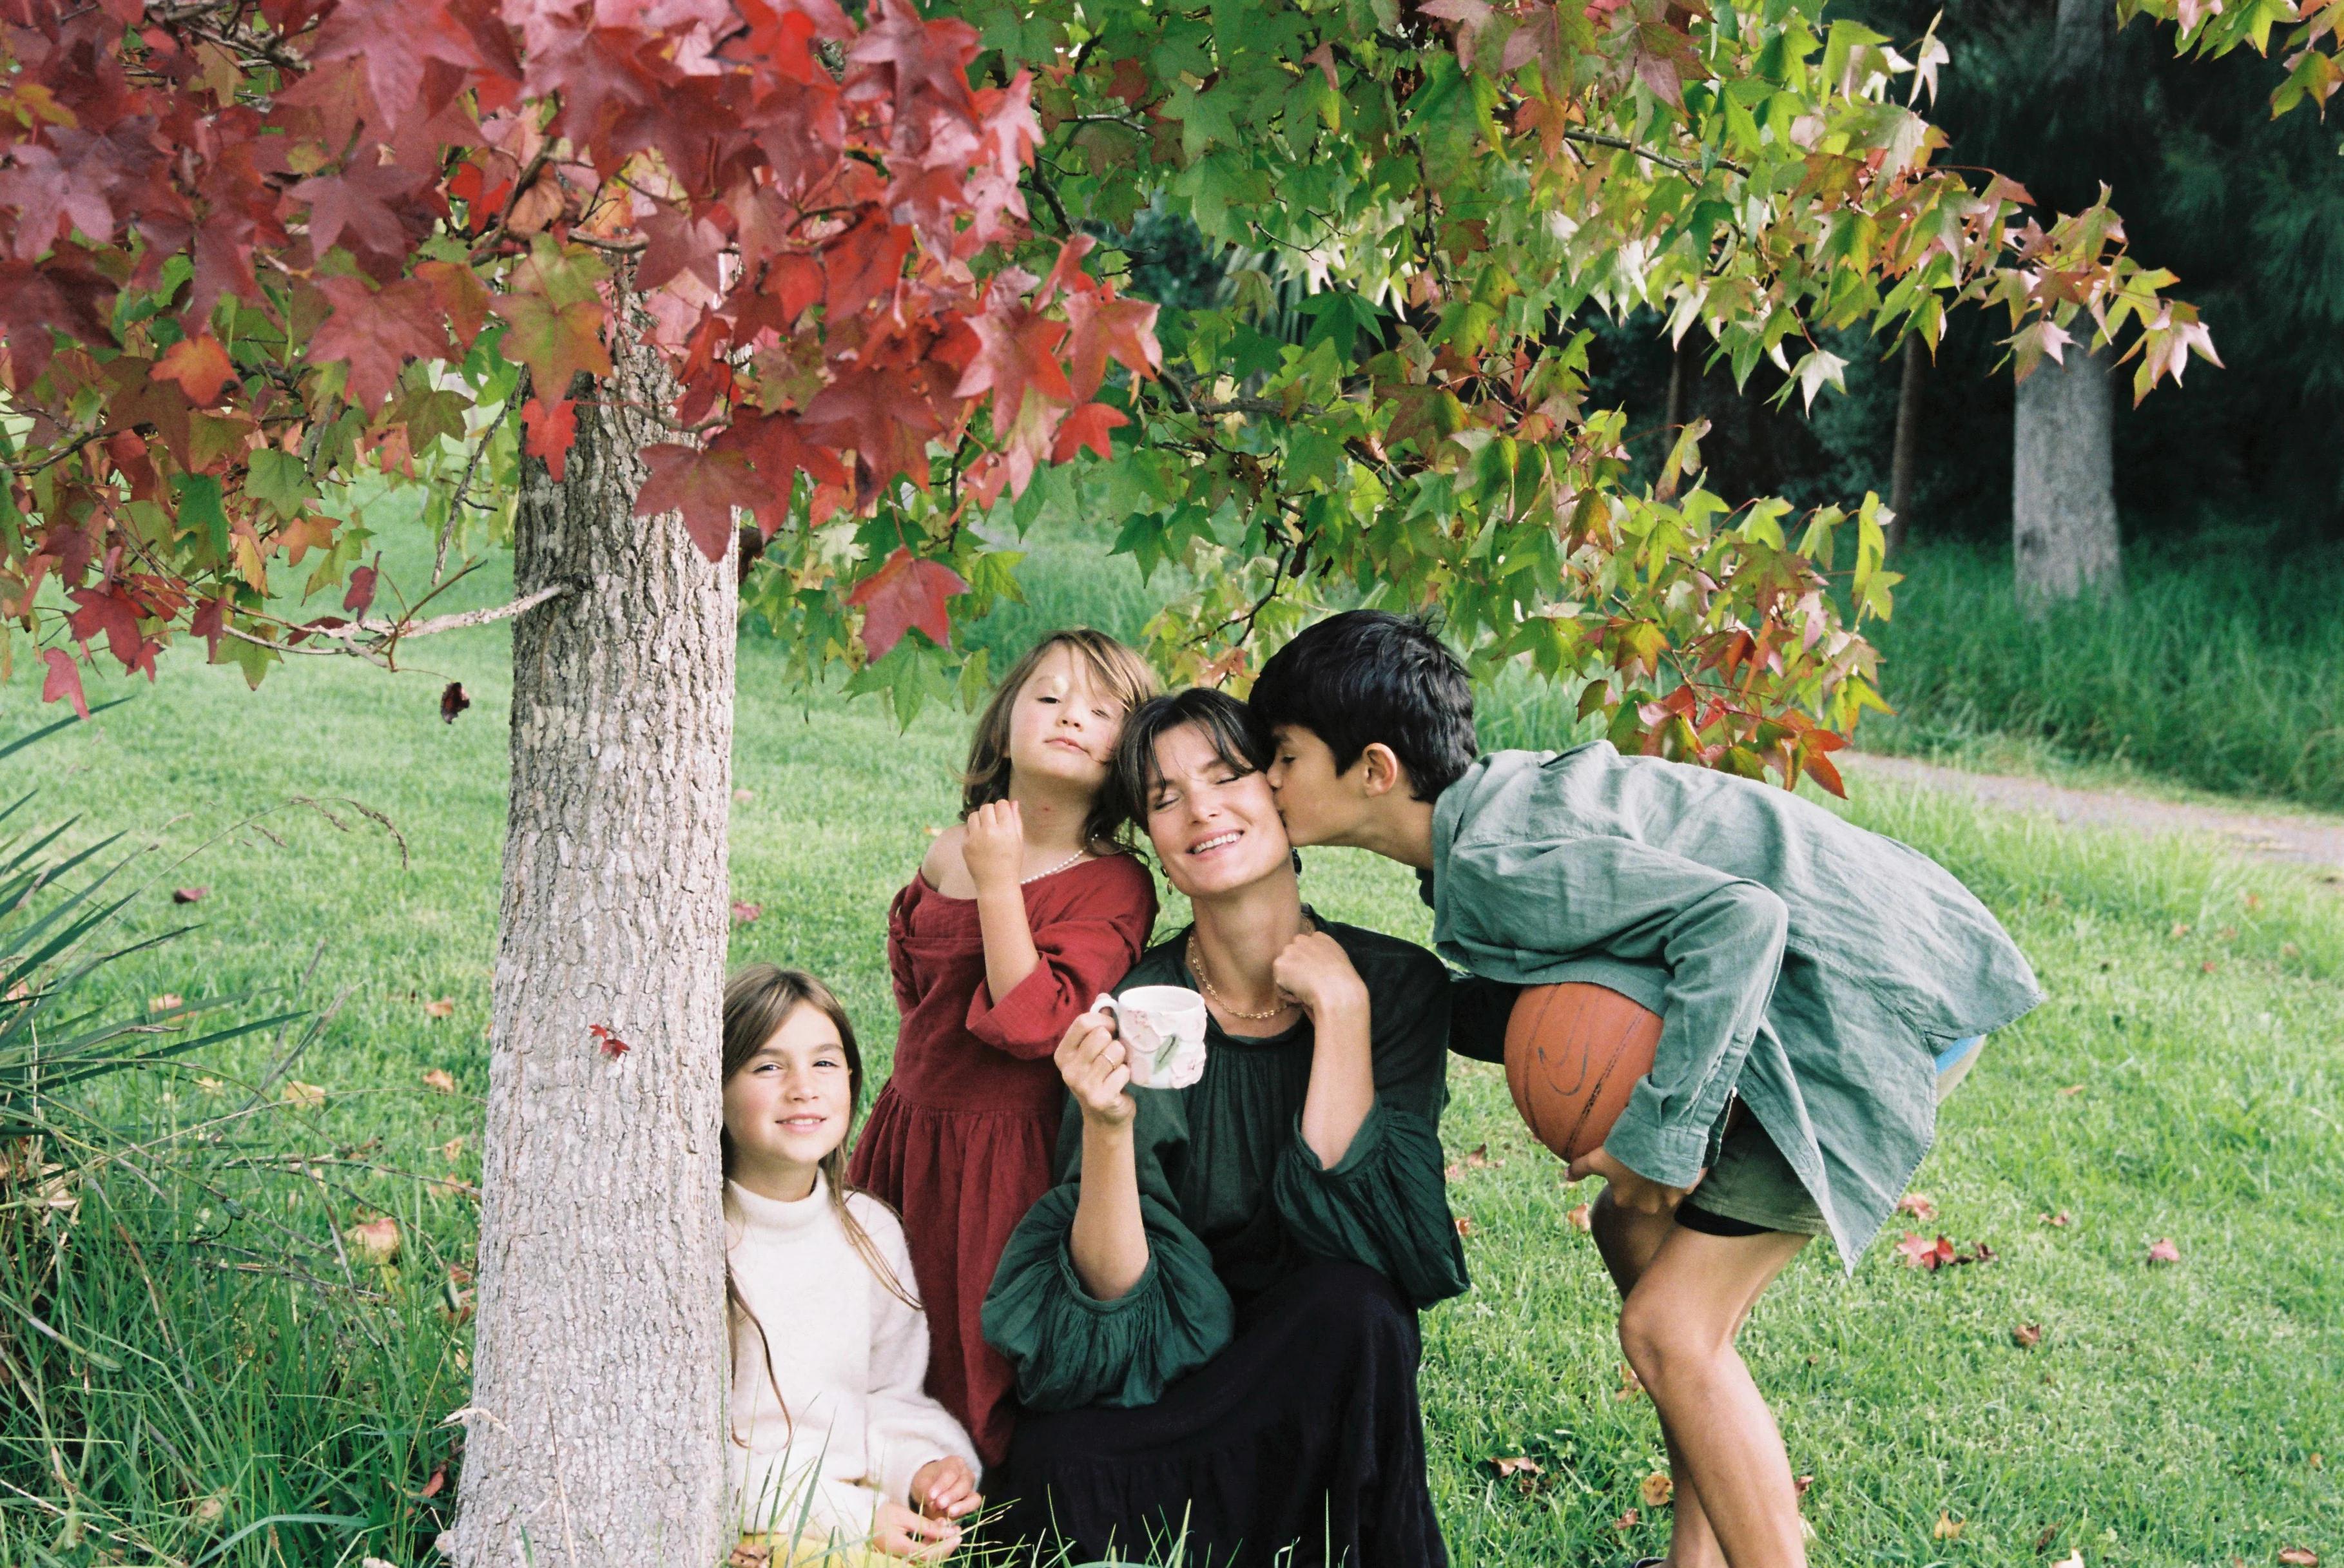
column 1090, row 1058
column 945, row 1488
column 898, row 1531
column 994, row 844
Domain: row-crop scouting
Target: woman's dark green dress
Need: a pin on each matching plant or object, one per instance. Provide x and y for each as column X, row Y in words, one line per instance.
column 1255, row 1393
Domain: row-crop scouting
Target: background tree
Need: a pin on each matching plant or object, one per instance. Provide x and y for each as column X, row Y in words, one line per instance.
column 760, row 256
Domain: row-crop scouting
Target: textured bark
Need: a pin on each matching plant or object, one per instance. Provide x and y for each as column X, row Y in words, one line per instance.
column 1906, row 453
column 595, row 1433
column 2063, row 512
column 2063, row 483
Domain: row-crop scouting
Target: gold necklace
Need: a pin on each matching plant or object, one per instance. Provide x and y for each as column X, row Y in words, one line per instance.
column 1204, row 984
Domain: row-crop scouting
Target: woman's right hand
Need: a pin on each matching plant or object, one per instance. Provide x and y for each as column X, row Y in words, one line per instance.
column 1091, row 1060
column 898, row 1531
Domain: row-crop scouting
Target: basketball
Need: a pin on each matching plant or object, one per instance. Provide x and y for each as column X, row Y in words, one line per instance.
column 1574, row 1053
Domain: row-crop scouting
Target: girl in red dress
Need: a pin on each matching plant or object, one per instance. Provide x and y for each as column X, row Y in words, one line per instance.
column 1018, row 916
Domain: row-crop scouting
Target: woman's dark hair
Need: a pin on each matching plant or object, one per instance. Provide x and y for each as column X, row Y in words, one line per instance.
column 757, row 1001
column 1119, row 672
column 1240, row 739
column 1368, row 675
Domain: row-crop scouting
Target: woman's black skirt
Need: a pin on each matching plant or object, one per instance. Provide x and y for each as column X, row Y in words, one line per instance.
column 1300, row 1444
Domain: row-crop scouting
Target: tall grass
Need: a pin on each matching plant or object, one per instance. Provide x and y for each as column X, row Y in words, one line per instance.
column 2222, row 667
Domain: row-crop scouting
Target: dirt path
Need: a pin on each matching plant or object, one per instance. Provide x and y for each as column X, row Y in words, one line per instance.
column 2312, row 841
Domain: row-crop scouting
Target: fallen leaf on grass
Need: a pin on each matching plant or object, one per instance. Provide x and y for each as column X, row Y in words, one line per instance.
column 309, row 1095
column 2315, row 1461
column 2027, row 1335
column 2071, row 1091
column 2289, row 950
column 1515, row 1465
column 376, row 1240
column 452, row 702
column 1918, row 1253
column 1582, row 1217
column 1464, row 1225
column 208, row 1510
column 2302, row 1556
column 189, row 894
column 2209, row 967
column 440, row 1008
column 1627, row 1521
column 1948, row 1528
column 2180, row 929
column 168, row 1002
column 439, row 1081
column 1802, row 1483
column 745, row 794
column 437, row 1483
column 210, row 1086
column 452, row 1150
column 1478, row 1156
column 2059, row 1221
column 1919, row 1205
column 1630, row 1385
column 2042, row 1542
column 743, row 913
column 2163, row 1250
column 1658, row 1489
column 1451, row 1172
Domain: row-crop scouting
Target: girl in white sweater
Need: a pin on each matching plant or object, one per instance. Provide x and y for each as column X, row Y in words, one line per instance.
column 835, row 1447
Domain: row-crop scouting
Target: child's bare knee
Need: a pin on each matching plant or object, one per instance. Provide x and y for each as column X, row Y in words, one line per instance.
column 1662, row 1338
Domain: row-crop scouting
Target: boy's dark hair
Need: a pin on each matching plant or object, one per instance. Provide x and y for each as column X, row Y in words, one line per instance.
column 1240, row 738
column 1368, row 675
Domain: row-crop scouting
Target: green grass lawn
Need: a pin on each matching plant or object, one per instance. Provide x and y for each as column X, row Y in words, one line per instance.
column 2182, row 1082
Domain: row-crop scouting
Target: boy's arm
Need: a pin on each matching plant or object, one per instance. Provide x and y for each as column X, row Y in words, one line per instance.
column 1721, row 937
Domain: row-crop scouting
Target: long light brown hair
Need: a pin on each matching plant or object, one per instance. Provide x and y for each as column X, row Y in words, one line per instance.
column 1120, row 674
column 757, row 1001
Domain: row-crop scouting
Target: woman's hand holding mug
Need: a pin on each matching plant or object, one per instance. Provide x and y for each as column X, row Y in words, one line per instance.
column 1091, row 1060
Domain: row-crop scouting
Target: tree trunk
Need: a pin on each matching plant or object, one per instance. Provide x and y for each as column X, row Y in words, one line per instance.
column 595, row 1436
column 1906, row 452
column 2063, row 478
column 2063, row 513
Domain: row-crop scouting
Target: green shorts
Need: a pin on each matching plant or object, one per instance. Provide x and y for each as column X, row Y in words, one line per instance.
column 1753, row 1188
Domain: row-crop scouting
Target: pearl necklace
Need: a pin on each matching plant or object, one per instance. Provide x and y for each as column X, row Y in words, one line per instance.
column 1055, row 869
column 1204, row 984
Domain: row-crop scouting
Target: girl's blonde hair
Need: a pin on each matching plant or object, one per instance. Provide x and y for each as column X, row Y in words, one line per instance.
column 1120, row 673
column 757, row 1001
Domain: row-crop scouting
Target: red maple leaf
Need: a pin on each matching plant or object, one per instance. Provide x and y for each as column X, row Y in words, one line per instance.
column 1087, row 427
column 777, row 448
column 608, row 1040
column 363, row 205
column 868, row 411
column 362, row 595
column 199, row 365
column 552, row 428
column 1103, row 326
column 376, row 331
column 705, row 486
column 905, row 592
column 1916, row 1253
column 62, row 681
column 1015, row 348
column 918, row 52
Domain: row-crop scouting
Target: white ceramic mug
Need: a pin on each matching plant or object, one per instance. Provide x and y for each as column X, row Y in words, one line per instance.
column 1162, row 1028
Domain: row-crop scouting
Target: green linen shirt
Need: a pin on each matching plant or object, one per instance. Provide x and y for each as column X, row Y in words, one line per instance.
column 1232, row 1197
column 1798, row 961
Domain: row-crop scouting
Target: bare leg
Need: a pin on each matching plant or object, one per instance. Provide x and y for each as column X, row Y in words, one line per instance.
column 1678, row 1325
column 1628, row 1240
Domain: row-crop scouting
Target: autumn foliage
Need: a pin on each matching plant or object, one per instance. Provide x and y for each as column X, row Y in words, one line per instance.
column 254, row 253
column 265, row 258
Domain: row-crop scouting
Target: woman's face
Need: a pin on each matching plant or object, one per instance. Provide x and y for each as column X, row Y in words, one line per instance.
column 788, row 1104
column 1214, row 825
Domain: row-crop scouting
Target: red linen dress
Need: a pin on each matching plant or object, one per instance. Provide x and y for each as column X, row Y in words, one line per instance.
column 962, row 1139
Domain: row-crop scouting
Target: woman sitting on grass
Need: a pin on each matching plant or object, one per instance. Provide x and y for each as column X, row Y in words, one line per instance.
column 836, row 1451
column 1213, row 1314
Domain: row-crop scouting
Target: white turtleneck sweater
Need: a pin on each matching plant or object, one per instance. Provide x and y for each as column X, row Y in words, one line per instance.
column 852, row 1425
